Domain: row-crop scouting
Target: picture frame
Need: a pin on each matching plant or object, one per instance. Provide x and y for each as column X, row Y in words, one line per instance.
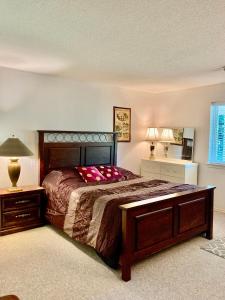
column 178, row 136
column 122, row 123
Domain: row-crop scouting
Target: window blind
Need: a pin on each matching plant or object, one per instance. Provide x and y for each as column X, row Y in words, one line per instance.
column 217, row 134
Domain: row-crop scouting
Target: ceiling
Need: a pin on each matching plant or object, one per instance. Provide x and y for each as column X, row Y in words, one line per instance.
column 150, row 45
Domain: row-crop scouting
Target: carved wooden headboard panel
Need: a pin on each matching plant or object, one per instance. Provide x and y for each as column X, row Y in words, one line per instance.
column 66, row 149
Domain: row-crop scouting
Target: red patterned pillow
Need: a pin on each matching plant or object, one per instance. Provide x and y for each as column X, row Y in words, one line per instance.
column 110, row 172
column 90, row 174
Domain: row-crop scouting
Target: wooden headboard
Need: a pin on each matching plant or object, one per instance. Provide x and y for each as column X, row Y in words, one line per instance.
column 65, row 149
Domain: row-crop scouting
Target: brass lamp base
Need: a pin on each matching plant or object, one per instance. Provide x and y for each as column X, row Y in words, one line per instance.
column 166, row 148
column 14, row 174
column 152, row 149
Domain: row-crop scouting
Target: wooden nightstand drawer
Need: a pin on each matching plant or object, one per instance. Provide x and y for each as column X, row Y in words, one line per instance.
column 21, row 210
column 21, row 217
column 15, row 203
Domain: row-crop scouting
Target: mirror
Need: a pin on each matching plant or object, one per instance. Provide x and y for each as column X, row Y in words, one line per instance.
column 181, row 148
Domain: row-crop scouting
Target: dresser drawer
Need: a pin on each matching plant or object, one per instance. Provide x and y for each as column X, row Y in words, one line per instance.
column 150, row 166
column 172, row 170
column 14, row 203
column 172, row 179
column 22, row 217
column 150, row 175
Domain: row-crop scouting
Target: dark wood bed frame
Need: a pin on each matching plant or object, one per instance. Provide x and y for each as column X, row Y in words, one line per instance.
column 148, row 226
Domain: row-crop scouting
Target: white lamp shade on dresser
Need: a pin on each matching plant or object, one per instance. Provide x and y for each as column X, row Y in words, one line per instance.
column 152, row 134
column 167, row 136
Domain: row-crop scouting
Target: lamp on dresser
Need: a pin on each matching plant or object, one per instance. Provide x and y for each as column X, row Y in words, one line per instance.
column 167, row 138
column 14, row 148
column 152, row 136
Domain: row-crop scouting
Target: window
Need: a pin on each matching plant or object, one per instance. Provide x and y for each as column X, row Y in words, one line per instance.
column 217, row 134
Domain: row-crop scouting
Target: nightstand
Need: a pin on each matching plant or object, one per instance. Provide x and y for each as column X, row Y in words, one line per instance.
column 21, row 210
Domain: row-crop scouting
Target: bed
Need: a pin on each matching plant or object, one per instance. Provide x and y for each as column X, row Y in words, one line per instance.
column 143, row 217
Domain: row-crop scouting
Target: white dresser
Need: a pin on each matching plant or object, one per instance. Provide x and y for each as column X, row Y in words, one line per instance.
column 174, row 170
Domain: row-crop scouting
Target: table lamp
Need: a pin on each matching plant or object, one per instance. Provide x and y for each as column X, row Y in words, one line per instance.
column 167, row 138
column 14, row 148
column 152, row 136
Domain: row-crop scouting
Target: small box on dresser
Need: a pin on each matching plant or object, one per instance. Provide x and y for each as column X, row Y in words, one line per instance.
column 21, row 210
column 174, row 170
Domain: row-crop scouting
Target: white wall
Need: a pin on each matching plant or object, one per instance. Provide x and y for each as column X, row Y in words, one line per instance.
column 191, row 108
column 29, row 102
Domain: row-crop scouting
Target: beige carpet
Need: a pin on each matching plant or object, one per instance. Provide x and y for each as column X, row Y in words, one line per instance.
column 41, row 264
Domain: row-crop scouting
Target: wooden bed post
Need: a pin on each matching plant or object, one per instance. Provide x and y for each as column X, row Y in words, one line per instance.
column 126, row 257
column 209, row 232
column 41, row 155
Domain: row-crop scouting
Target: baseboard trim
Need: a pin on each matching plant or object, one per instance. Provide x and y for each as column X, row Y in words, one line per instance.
column 219, row 210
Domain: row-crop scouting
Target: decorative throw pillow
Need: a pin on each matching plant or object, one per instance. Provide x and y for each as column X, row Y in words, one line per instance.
column 110, row 172
column 90, row 174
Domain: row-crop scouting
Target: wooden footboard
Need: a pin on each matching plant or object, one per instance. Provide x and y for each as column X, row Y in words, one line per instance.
column 151, row 225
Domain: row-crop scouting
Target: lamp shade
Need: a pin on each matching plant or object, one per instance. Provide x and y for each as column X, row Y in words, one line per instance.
column 152, row 134
column 167, row 135
column 13, row 147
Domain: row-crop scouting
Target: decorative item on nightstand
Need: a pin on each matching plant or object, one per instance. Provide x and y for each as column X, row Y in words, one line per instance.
column 152, row 136
column 167, row 138
column 14, row 148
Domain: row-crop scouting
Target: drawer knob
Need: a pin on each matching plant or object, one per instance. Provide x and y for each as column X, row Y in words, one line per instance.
column 22, row 201
column 22, row 216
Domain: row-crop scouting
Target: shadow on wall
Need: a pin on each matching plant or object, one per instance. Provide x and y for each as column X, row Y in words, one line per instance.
column 16, row 88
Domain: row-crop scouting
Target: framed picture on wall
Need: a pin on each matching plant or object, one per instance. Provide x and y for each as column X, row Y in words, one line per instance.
column 178, row 136
column 122, row 123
